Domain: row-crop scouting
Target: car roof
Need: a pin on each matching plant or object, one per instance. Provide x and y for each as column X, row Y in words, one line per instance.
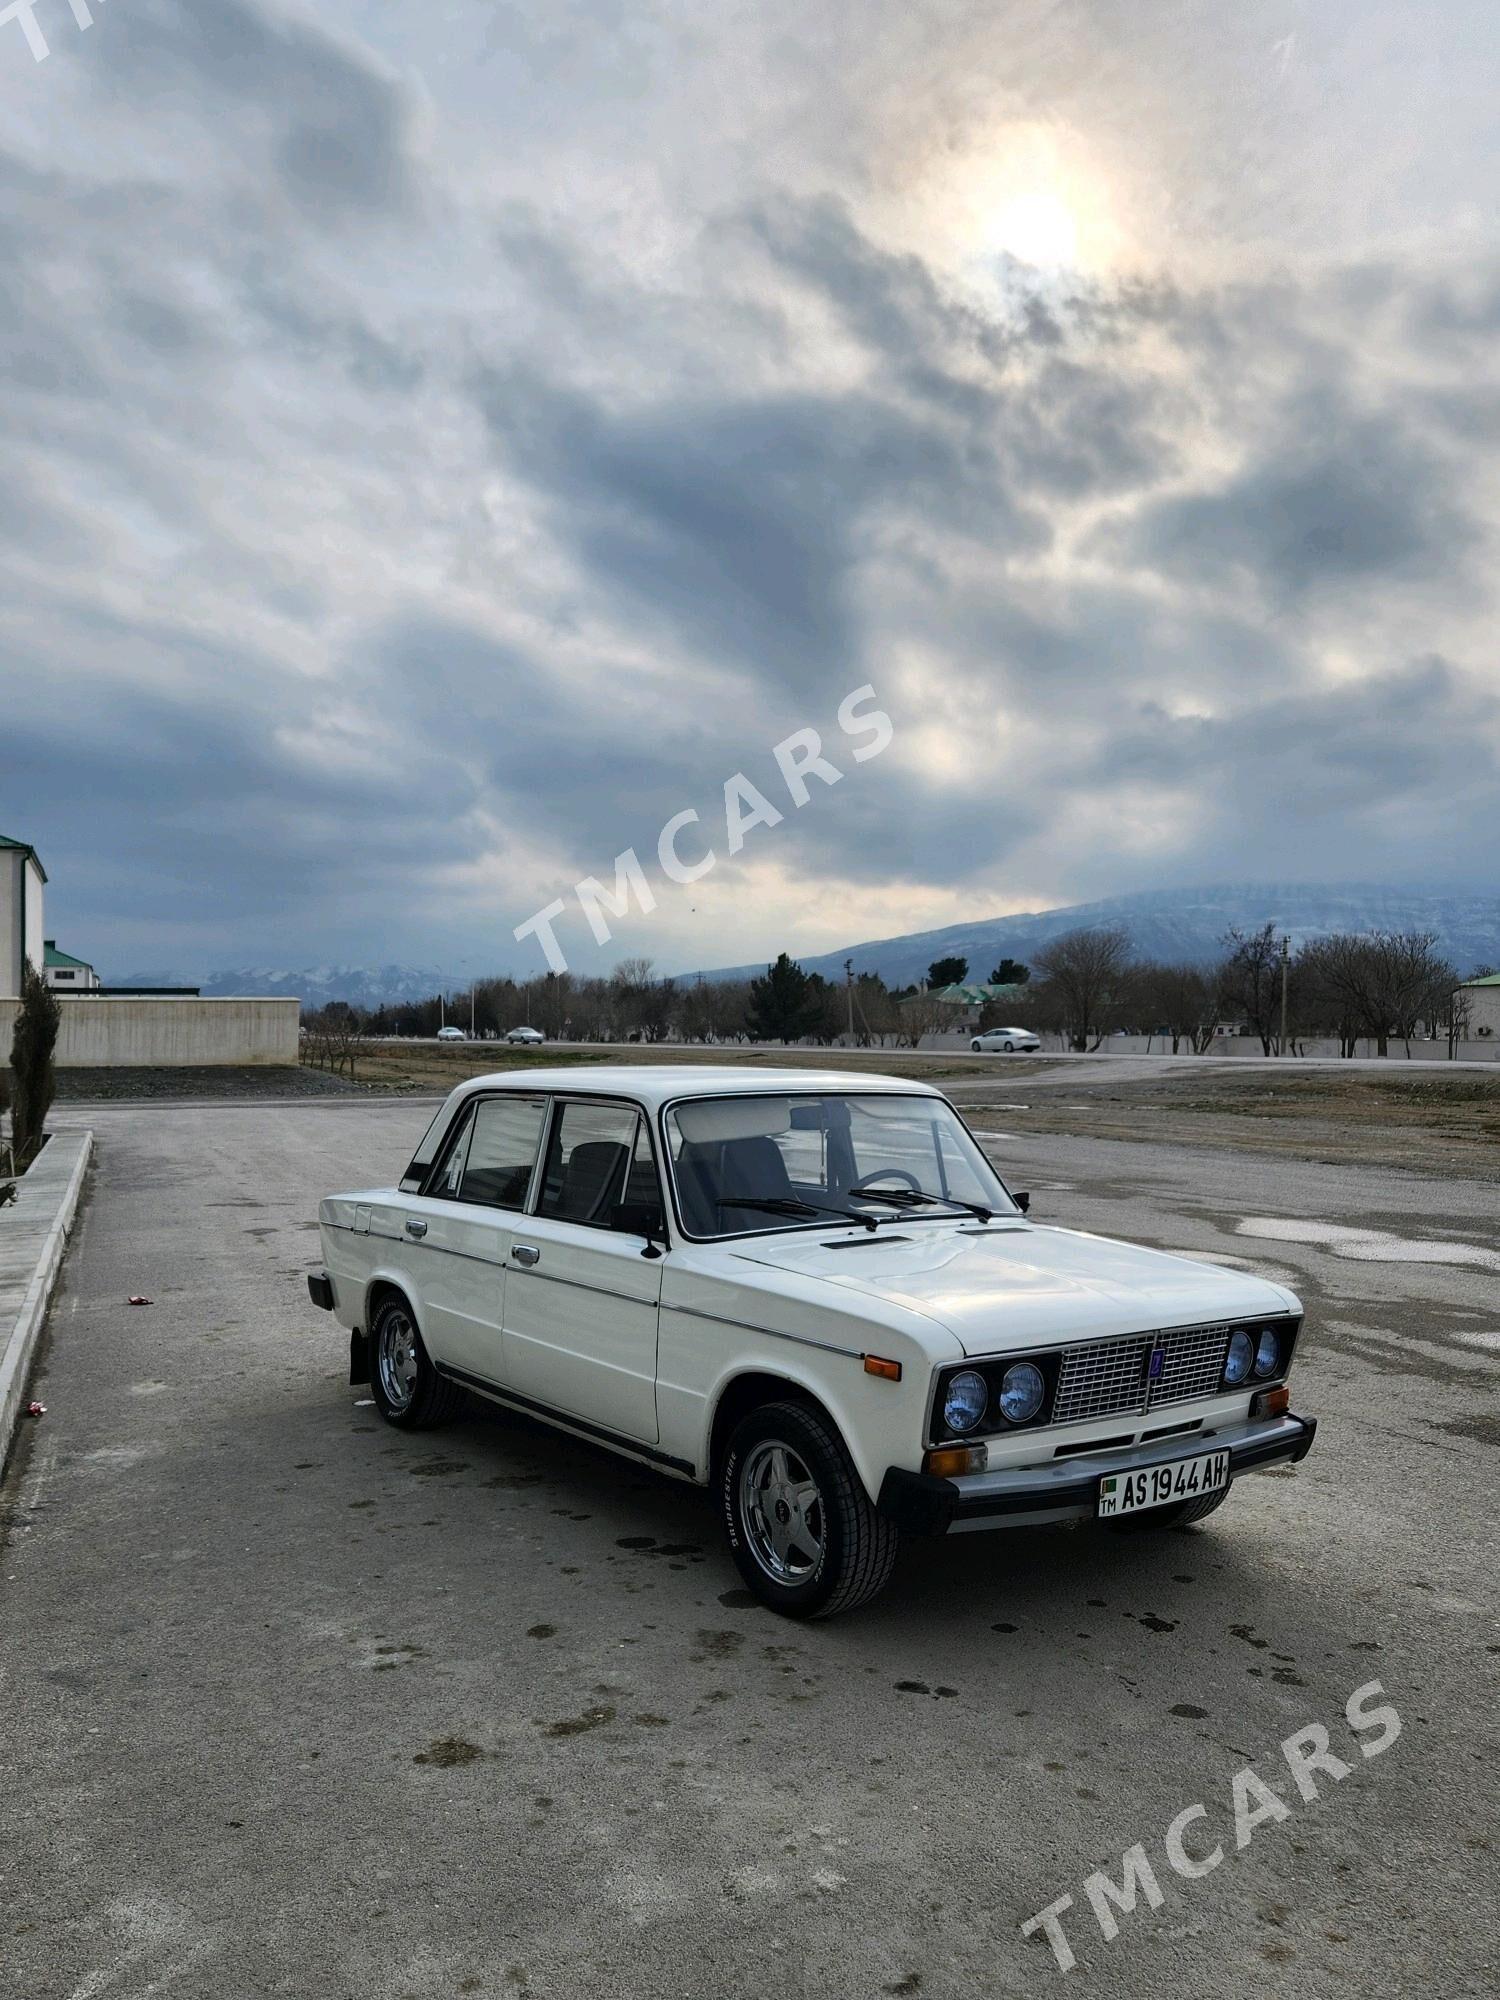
column 654, row 1084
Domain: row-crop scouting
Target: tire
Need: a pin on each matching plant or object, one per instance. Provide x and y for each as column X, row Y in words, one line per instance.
column 408, row 1390
column 1010, row 1048
column 830, row 1550
column 976, row 1048
column 1181, row 1514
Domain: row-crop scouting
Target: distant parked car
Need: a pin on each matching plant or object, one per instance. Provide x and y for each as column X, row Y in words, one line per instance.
column 531, row 1036
column 451, row 1035
column 1005, row 1041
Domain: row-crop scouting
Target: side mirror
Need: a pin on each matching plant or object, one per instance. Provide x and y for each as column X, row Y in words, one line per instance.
column 641, row 1218
column 1022, row 1201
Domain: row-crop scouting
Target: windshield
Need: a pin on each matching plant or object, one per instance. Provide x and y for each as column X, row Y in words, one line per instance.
column 783, row 1162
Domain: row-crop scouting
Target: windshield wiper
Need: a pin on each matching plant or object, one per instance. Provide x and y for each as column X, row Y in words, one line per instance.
column 904, row 1197
column 791, row 1204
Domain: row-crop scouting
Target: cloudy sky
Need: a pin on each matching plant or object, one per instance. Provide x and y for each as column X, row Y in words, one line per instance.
column 442, row 442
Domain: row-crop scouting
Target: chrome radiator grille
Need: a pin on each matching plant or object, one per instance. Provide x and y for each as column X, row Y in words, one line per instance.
column 1110, row 1376
column 1192, row 1365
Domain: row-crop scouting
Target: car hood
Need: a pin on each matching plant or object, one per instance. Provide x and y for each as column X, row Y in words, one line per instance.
column 1020, row 1284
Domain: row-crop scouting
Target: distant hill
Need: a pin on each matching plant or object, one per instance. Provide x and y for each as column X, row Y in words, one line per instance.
column 1161, row 923
column 314, row 986
column 1182, row 924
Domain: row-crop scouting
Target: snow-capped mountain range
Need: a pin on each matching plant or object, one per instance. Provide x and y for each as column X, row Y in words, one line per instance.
column 315, row 985
column 1161, row 923
column 1184, row 924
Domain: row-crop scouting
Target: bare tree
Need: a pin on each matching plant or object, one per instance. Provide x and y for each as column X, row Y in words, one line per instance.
column 876, row 1011
column 332, row 1038
column 1378, row 985
column 1088, row 972
column 1180, row 1001
column 1250, row 980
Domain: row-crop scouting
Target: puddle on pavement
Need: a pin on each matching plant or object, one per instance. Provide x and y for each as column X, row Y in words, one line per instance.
column 1367, row 1246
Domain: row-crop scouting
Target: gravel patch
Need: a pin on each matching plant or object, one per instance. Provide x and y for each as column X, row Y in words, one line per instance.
column 122, row 1085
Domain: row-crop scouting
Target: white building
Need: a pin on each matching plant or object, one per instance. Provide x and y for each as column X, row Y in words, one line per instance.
column 1480, row 1001
column 68, row 975
column 22, row 879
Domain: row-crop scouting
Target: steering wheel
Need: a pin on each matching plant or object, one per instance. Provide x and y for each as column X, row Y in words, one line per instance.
column 885, row 1174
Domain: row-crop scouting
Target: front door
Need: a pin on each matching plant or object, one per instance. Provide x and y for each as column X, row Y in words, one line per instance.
column 580, row 1299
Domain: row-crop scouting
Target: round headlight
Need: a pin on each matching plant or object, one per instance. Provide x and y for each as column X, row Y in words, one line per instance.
column 1241, row 1354
column 1267, row 1352
column 1021, row 1392
column 965, row 1400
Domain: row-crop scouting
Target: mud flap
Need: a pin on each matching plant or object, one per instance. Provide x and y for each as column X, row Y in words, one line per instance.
column 359, row 1358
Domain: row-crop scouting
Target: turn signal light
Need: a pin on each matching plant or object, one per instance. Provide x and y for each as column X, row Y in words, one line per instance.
column 890, row 1371
column 1271, row 1402
column 950, row 1460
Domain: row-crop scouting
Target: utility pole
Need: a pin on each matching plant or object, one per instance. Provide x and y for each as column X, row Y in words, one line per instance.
column 849, row 995
column 471, row 1010
column 1286, row 954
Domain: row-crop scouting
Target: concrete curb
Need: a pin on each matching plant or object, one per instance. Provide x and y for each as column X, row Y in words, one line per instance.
column 36, row 1230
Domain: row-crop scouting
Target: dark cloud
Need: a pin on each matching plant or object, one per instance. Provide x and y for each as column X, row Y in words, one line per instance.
column 1332, row 498
column 330, row 125
column 1413, row 753
column 394, row 532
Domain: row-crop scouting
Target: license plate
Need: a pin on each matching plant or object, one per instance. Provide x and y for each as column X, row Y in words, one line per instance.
column 1162, row 1485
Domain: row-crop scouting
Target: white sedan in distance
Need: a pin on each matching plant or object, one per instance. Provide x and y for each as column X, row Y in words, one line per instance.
column 451, row 1035
column 530, row 1036
column 813, row 1294
column 1006, row 1042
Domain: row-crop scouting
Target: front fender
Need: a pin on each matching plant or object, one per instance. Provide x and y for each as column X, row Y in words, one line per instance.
column 879, row 1421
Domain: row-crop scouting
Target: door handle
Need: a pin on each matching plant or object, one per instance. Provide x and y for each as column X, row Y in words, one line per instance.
column 414, row 1227
column 526, row 1253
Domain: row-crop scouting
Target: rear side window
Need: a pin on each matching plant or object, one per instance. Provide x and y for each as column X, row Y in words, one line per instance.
column 598, row 1157
column 490, row 1159
column 426, row 1153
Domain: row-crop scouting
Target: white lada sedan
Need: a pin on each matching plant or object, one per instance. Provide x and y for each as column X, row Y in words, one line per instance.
column 814, row 1292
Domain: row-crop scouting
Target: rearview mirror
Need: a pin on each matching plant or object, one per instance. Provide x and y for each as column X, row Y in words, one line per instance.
column 640, row 1218
column 1022, row 1201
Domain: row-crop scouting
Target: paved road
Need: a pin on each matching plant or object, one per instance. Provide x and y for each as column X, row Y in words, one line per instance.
column 300, row 1706
column 1132, row 1062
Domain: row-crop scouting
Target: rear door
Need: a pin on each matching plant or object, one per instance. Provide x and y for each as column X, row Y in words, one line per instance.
column 458, row 1233
column 581, row 1299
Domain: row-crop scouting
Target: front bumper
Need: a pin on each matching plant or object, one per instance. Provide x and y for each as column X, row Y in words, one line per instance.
column 1017, row 1496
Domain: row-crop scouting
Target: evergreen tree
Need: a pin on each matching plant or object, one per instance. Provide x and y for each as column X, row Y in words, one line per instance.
column 31, row 1051
column 947, row 971
column 785, row 1005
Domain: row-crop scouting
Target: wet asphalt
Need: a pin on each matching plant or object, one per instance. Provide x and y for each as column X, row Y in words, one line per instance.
column 300, row 1706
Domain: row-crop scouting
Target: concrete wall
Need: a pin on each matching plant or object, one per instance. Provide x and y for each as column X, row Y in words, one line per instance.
column 167, row 1033
column 1477, row 1049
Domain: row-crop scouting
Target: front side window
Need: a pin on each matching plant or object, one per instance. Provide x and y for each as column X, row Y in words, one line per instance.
column 598, row 1157
column 491, row 1158
column 749, row 1163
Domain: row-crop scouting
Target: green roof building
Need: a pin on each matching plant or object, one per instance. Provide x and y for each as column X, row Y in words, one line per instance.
column 67, row 974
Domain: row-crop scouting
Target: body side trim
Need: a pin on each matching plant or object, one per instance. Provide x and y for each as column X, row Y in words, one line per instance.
column 597, row 1433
